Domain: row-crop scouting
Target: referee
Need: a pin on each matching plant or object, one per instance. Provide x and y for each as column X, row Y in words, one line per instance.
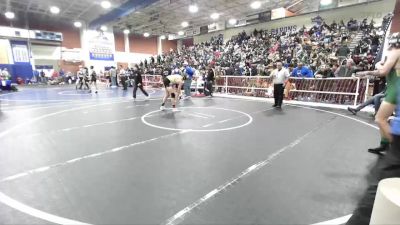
column 280, row 75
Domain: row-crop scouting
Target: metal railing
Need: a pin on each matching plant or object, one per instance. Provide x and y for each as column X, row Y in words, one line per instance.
column 343, row 90
column 337, row 90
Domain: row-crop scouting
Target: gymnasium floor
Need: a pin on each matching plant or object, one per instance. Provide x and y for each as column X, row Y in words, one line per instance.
column 69, row 157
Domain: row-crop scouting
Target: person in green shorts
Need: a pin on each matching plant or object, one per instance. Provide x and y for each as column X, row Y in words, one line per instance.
column 383, row 69
column 389, row 165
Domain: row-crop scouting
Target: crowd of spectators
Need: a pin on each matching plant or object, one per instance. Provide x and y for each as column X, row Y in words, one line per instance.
column 320, row 51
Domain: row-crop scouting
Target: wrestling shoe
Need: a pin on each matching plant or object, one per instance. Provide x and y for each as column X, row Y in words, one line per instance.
column 379, row 150
column 352, row 110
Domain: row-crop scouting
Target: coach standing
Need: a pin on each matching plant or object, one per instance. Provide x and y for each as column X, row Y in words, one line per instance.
column 138, row 82
column 280, row 75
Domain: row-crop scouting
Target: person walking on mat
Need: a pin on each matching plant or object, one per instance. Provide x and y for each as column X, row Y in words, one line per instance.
column 138, row 82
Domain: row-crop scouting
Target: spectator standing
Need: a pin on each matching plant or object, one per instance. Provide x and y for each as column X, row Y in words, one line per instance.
column 280, row 77
column 189, row 72
column 93, row 79
column 121, row 74
column 124, row 80
column 113, row 74
column 42, row 77
column 209, row 82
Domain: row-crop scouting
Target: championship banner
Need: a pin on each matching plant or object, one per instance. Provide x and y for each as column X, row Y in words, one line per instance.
column 101, row 46
column 20, row 52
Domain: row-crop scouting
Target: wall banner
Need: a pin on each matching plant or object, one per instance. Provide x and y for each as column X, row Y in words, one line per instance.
column 101, row 46
column 20, row 52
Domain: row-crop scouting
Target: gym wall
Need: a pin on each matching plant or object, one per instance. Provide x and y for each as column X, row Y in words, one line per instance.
column 167, row 45
column 119, row 42
column 140, row 44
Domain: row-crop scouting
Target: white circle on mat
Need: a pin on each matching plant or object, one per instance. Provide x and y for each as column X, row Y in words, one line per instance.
column 249, row 121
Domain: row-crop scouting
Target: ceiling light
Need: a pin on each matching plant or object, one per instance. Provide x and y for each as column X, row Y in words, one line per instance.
column 326, row 2
column 77, row 24
column 233, row 21
column 9, row 15
column 181, row 33
column 146, row 34
column 185, row 24
column 255, row 5
column 103, row 28
column 105, row 4
column 54, row 10
column 162, row 37
column 193, row 8
column 126, row 31
column 214, row 16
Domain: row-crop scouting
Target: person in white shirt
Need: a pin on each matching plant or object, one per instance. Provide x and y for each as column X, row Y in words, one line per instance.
column 5, row 74
column 280, row 77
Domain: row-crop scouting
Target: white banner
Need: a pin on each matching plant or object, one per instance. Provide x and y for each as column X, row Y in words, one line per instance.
column 20, row 53
column 100, row 45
